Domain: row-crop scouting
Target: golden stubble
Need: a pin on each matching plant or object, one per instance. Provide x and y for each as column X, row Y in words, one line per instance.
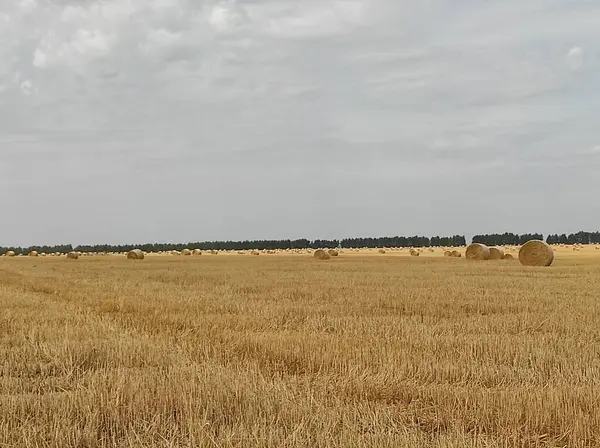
column 363, row 349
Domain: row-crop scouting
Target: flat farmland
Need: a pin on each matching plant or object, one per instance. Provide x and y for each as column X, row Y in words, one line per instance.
column 363, row 350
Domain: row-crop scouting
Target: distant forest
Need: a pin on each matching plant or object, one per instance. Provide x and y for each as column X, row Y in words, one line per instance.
column 394, row 241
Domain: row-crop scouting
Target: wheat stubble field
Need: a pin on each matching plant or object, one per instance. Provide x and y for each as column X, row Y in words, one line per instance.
column 288, row 351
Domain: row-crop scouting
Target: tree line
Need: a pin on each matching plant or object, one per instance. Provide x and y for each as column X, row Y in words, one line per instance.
column 575, row 238
column 302, row 243
column 494, row 239
column 506, row 239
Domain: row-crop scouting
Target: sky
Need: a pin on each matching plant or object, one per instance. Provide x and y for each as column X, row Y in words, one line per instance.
column 132, row 121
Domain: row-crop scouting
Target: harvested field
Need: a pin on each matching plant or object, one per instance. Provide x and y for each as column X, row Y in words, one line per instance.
column 363, row 350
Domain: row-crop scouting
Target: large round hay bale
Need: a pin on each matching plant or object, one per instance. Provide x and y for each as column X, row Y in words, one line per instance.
column 320, row 254
column 381, row 251
column 10, row 253
column 186, row 252
column 255, row 252
column 197, row 252
column 455, row 254
column 414, row 253
column 447, row 253
column 508, row 257
column 536, row 253
column 135, row 254
column 496, row 253
column 72, row 255
column 33, row 253
column 333, row 252
column 214, row 252
column 477, row 251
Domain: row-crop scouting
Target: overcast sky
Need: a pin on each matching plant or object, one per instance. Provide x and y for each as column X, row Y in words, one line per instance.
column 126, row 121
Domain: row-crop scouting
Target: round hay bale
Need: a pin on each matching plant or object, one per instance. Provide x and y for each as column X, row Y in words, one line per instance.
column 72, row 255
column 536, row 253
column 414, row 253
column 455, row 254
column 477, row 251
column 214, row 252
column 135, row 254
column 186, row 252
column 10, row 253
column 33, row 253
column 381, row 251
column 448, row 253
column 320, row 254
column 196, row 252
column 333, row 252
column 508, row 257
column 496, row 253
column 255, row 252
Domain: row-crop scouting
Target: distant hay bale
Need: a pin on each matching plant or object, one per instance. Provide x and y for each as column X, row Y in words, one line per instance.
column 431, row 250
column 72, row 255
column 477, row 251
column 536, row 253
column 320, row 254
column 33, row 253
column 135, row 254
column 381, row 251
column 333, row 252
column 196, row 252
column 455, row 254
column 508, row 257
column 255, row 252
column 448, row 253
column 186, row 252
column 10, row 253
column 496, row 253
column 415, row 253
column 214, row 252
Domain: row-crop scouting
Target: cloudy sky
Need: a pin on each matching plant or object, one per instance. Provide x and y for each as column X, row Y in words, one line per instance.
column 125, row 121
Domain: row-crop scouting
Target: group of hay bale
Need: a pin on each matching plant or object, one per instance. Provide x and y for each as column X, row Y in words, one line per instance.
column 532, row 253
column 321, row 254
column 452, row 253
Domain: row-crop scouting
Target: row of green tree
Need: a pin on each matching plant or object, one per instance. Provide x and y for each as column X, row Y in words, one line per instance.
column 403, row 241
column 495, row 239
column 303, row 243
column 575, row 238
column 506, row 239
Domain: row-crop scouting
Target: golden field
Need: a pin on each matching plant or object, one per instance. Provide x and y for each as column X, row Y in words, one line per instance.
column 363, row 350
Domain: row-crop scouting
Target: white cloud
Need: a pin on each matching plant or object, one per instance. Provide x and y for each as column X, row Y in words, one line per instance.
column 27, row 88
column 575, row 58
column 228, row 16
column 310, row 18
column 27, row 5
